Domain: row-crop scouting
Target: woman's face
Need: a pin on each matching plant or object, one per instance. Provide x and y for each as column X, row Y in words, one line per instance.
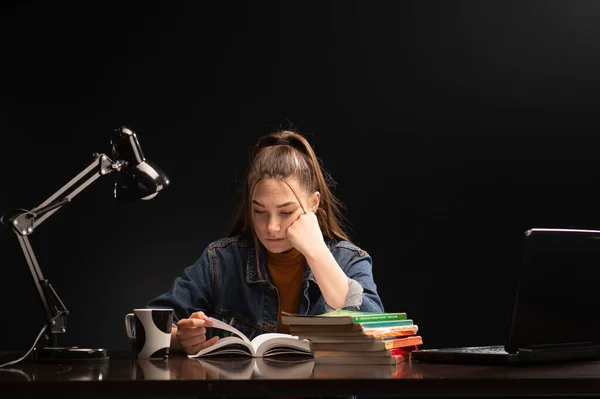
column 274, row 209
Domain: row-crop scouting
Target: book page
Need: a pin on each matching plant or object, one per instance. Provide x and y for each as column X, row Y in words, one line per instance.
column 224, row 326
column 227, row 346
column 270, row 344
column 259, row 339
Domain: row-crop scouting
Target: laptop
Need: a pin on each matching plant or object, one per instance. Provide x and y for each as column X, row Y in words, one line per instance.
column 556, row 305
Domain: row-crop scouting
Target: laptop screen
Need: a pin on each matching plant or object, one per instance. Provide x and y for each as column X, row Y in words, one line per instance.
column 557, row 295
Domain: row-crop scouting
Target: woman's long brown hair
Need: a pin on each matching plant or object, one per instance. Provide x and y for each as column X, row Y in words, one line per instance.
column 283, row 155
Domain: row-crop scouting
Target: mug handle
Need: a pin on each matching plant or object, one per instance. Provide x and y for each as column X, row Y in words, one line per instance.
column 128, row 318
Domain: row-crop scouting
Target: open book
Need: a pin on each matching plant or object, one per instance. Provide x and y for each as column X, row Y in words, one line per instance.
column 264, row 345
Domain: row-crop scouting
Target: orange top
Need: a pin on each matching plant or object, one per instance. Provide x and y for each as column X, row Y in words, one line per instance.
column 286, row 271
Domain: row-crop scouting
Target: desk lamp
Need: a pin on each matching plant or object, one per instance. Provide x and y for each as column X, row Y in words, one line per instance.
column 137, row 178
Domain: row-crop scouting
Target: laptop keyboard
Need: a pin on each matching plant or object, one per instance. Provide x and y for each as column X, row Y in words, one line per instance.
column 485, row 349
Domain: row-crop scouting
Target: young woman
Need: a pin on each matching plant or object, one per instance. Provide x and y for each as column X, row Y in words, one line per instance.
column 287, row 252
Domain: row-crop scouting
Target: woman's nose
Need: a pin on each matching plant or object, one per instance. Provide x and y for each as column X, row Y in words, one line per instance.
column 273, row 225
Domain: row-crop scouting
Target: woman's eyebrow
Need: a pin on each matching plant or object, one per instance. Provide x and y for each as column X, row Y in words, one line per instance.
column 278, row 206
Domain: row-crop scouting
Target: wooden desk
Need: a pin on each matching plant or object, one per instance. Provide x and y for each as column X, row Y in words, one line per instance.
column 181, row 377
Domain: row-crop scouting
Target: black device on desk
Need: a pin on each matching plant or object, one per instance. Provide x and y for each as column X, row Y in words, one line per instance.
column 555, row 312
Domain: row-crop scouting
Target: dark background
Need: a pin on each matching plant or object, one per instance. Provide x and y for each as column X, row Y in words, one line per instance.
column 450, row 127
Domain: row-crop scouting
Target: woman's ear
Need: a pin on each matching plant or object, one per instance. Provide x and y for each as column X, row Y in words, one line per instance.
column 315, row 200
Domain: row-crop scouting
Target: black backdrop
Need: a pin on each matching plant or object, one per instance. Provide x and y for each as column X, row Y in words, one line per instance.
column 449, row 126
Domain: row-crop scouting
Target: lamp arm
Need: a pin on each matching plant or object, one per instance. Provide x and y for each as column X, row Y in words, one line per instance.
column 24, row 223
column 55, row 309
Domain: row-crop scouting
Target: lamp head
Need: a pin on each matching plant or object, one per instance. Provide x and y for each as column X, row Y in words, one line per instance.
column 138, row 178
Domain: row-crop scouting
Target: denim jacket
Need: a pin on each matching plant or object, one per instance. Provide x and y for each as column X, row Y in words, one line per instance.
column 224, row 283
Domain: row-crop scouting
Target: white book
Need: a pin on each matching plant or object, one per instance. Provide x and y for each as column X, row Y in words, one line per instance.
column 264, row 345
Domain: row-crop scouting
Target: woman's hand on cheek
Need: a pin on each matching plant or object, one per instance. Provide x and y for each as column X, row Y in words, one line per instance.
column 305, row 235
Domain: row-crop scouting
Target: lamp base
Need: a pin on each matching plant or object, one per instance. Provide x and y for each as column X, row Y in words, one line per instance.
column 72, row 354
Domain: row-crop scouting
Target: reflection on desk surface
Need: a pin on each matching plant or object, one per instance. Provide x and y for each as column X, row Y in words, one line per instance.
column 259, row 368
column 180, row 367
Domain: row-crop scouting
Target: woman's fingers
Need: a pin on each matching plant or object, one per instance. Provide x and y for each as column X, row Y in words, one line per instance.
column 193, row 349
column 192, row 340
column 191, row 333
column 199, row 315
column 184, row 334
column 193, row 323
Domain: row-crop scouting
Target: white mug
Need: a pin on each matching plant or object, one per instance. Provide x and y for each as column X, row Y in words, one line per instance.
column 150, row 332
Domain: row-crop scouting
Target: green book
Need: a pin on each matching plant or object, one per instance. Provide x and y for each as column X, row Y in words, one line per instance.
column 340, row 317
column 386, row 324
column 361, row 317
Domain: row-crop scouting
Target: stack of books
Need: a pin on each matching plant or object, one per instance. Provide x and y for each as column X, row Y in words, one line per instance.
column 350, row 337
